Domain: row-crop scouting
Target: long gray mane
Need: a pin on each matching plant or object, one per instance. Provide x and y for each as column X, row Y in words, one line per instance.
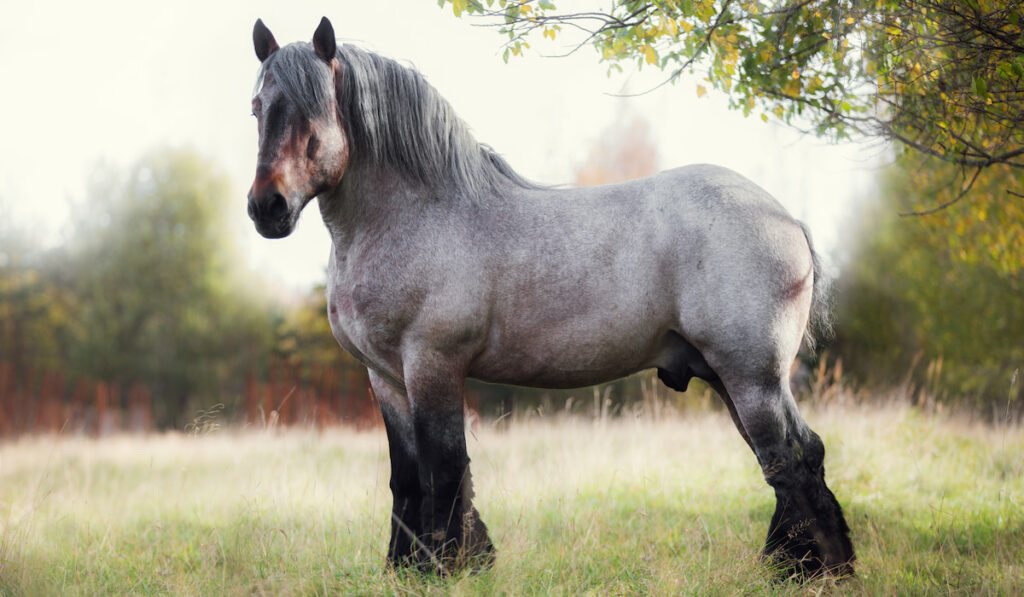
column 393, row 117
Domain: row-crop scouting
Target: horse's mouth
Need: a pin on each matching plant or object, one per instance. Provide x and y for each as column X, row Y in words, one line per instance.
column 275, row 228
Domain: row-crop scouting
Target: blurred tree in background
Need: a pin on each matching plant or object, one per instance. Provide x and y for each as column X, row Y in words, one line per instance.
column 624, row 151
column 939, row 299
column 34, row 304
column 160, row 288
column 149, row 289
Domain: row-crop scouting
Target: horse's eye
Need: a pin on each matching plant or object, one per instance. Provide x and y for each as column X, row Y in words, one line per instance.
column 313, row 145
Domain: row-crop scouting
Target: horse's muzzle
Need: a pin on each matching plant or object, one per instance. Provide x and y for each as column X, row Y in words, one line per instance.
column 271, row 214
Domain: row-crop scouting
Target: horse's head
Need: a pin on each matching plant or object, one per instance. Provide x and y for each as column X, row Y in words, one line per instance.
column 303, row 149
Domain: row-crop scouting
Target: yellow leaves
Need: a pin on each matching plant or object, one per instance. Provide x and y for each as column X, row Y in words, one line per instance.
column 549, row 33
column 701, row 90
column 705, row 10
column 685, row 25
column 668, row 25
column 779, row 111
column 650, row 56
column 792, row 86
column 850, row 20
column 458, row 6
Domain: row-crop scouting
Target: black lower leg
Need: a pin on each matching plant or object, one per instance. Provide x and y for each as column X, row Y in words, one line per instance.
column 451, row 529
column 808, row 534
column 405, row 487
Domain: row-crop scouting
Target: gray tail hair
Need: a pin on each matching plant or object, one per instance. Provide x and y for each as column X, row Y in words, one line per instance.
column 820, row 325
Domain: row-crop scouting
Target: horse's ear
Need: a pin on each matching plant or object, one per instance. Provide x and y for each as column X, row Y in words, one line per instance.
column 263, row 40
column 323, row 40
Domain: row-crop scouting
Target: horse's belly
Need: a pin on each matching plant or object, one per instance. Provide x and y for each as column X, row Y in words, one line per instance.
column 566, row 357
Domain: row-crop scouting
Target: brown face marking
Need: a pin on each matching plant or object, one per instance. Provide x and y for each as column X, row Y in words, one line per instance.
column 298, row 158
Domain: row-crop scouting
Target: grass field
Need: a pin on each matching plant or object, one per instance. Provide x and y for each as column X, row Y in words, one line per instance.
column 576, row 507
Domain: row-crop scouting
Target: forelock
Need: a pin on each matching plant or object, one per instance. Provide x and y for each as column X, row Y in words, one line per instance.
column 303, row 77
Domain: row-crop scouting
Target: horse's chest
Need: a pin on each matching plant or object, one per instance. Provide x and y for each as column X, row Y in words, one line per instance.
column 364, row 325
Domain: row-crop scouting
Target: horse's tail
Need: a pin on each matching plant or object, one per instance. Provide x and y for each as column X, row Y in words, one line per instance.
column 820, row 324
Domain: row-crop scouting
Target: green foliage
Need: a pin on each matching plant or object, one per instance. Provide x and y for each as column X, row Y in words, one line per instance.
column 156, row 279
column 304, row 333
column 941, row 76
column 148, row 289
column 942, row 292
column 34, row 306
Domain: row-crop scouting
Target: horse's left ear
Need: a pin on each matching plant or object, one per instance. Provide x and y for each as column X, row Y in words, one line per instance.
column 323, row 40
column 263, row 40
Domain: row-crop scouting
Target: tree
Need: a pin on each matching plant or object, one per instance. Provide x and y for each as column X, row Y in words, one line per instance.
column 938, row 299
column 160, row 293
column 625, row 151
column 942, row 77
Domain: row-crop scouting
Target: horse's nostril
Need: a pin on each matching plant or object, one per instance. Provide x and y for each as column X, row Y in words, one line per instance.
column 277, row 206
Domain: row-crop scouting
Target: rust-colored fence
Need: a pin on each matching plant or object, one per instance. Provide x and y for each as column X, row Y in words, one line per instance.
column 289, row 394
column 284, row 395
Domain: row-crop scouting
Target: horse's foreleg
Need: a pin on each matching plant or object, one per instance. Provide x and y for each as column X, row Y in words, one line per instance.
column 405, row 480
column 452, row 532
column 808, row 533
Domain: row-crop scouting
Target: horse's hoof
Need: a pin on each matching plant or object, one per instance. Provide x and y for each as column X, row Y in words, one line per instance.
column 806, row 567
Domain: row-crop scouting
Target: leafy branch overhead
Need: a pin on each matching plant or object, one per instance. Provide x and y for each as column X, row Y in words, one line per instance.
column 943, row 77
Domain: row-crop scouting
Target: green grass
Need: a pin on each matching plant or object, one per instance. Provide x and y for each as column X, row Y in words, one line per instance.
column 625, row 507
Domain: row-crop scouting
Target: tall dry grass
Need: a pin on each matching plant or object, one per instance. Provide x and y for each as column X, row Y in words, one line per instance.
column 661, row 500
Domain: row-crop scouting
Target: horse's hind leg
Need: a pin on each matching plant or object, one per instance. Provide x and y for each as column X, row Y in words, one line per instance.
column 719, row 388
column 405, row 480
column 808, row 533
column 686, row 363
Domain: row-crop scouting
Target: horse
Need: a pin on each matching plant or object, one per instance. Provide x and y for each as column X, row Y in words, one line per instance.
column 446, row 265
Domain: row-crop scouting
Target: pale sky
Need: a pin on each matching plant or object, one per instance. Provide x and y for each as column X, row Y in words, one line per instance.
column 85, row 82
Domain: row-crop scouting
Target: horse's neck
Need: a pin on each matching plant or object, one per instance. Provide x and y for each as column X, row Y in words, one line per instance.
column 373, row 203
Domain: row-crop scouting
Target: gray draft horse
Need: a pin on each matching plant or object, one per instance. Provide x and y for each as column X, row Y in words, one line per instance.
column 446, row 264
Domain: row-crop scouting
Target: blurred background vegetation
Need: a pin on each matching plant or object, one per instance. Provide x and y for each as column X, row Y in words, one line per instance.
column 148, row 289
column 146, row 312
column 936, row 300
